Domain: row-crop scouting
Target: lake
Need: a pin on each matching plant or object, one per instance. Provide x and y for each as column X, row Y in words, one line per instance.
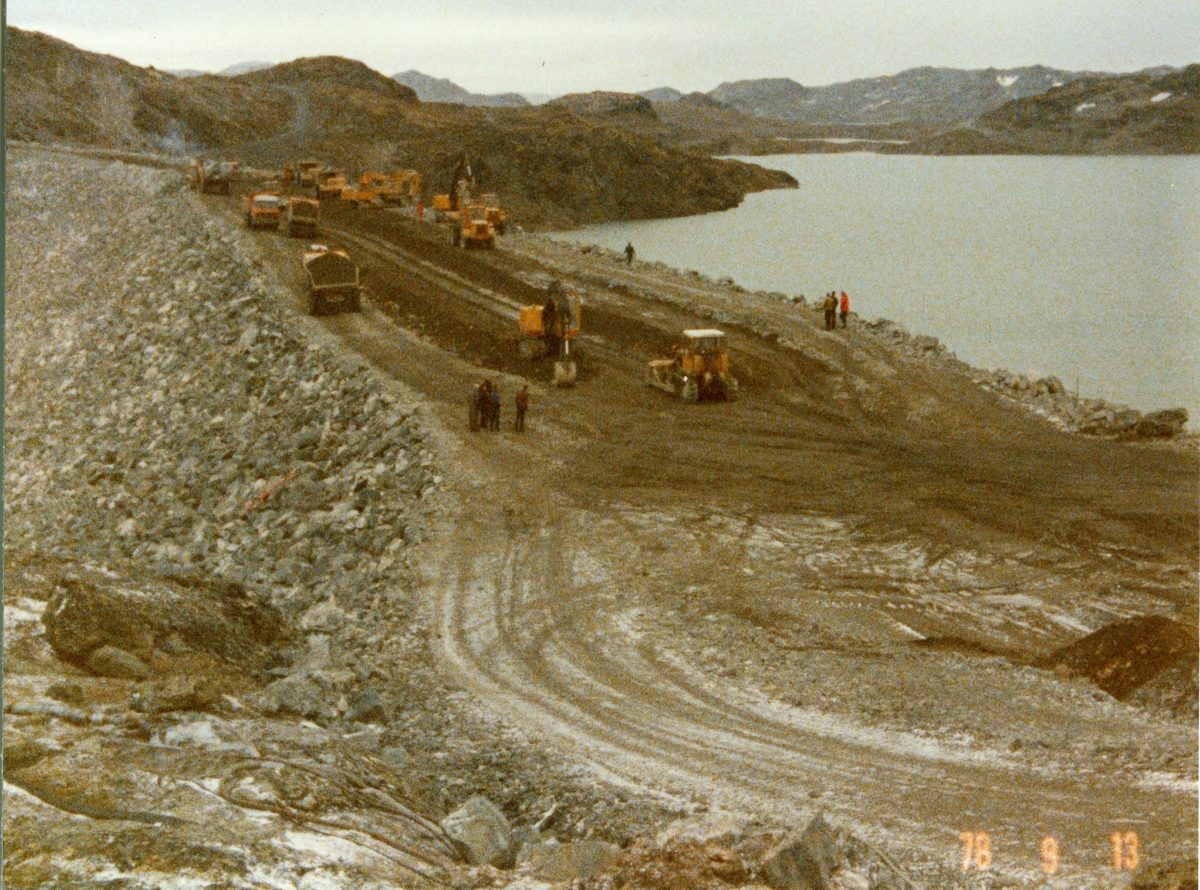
column 1087, row 268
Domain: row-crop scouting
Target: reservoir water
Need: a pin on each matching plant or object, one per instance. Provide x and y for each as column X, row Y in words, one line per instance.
column 1087, row 268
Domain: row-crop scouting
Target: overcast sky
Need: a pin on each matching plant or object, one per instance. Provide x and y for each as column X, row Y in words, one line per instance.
column 540, row 46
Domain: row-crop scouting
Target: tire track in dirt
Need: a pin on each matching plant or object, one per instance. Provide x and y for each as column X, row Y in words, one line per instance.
column 533, row 647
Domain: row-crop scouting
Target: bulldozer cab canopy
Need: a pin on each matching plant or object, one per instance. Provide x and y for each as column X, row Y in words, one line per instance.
column 330, row 268
column 264, row 201
column 704, row 339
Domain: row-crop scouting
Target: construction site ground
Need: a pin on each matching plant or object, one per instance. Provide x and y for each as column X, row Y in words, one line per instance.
column 827, row 595
column 640, row 619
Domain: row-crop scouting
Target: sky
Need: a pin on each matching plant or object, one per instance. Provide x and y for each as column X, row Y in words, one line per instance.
column 550, row 48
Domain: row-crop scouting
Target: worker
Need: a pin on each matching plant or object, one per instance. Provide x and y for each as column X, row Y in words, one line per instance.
column 845, row 307
column 829, row 304
column 420, row 211
column 495, row 409
column 629, row 252
column 521, row 402
column 474, row 412
column 485, row 404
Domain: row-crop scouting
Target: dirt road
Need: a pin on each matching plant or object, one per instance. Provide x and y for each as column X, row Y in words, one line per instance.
column 826, row 595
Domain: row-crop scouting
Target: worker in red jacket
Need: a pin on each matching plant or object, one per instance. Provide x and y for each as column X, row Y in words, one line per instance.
column 845, row 307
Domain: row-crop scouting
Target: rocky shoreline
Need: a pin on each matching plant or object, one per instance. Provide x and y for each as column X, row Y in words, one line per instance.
column 1043, row 395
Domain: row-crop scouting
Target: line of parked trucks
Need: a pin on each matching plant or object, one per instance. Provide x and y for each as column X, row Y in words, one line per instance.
column 699, row 369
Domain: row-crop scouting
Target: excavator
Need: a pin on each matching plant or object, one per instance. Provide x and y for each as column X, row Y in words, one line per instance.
column 469, row 221
column 549, row 330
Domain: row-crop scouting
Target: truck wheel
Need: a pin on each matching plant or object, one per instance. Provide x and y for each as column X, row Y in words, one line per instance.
column 355, row 304
column 314, row 304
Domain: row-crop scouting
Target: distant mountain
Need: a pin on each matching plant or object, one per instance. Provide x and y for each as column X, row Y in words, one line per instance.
column 186, row 72
column 1139, row 113
column 244, row 68
column 778, row 97
column 939, row 97
column 605, row 104
column 432, row 89
column 662, row 94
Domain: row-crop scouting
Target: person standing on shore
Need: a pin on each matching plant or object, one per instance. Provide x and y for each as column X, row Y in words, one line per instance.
column 629, row 252
column 830, row 306
column 485, row 404
column 474, row 408
column 495, row 409
column 521, row 403
column 845, row 307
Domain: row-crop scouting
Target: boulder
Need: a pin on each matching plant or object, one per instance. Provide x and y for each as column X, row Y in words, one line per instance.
column 138, row 611
column 296, row 694
column 481, row 833
column 184, row 693
column 64, row 691
column 109, row 661
column 804, row 860
column 1161, row 424
column 368, row 706
column 565, row 863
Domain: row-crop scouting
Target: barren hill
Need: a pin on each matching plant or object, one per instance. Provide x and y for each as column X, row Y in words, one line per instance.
column 551, row 166
column 433, row 89
column 1151, row 113
column 922, row 96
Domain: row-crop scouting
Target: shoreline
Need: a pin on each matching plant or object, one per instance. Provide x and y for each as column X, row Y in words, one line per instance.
column 1044, row 395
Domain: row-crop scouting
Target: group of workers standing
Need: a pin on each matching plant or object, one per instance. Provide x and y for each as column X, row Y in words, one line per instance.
column 833, row 307
column 484, row 407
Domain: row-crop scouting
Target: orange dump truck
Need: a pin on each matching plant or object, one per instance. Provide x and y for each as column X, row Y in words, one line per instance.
column 263, row 210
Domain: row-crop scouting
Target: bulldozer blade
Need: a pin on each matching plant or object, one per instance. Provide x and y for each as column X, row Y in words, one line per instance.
column 565, row 373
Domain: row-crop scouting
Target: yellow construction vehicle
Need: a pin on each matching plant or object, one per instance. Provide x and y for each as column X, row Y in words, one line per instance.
column 302, row 217
column 332, row 280
column 262, row 210
column 306, row 172
column 474, row 230
column 549, row 329
column 213, row 177
column 497, row 217
column 330, row 183
column 700, row 368
column 369, row 189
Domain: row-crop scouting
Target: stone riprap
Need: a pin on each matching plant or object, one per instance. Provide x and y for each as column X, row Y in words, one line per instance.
column 160, row 409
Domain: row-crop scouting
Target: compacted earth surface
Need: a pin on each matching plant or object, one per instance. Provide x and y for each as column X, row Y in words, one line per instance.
column 273, row 612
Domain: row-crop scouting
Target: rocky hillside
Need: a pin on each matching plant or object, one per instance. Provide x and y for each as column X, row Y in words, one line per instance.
column 433, row 89
column 924, row 96
column 552, row 167
column 1132, row 113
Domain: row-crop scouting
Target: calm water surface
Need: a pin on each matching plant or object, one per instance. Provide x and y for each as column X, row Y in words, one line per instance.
column 1086, row 268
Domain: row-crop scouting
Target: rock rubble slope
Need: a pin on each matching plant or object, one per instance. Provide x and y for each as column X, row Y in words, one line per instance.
column 168, row 433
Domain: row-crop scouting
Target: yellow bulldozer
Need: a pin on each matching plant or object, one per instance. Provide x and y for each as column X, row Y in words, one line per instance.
column 474, row 229
column 699, row 370
column 549, row 329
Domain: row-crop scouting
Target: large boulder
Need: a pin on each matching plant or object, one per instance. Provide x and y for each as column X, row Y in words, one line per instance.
column 139, row 612
column 1161, row 424
column 1126, row 655
column 481, row 833
column 804, row 860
